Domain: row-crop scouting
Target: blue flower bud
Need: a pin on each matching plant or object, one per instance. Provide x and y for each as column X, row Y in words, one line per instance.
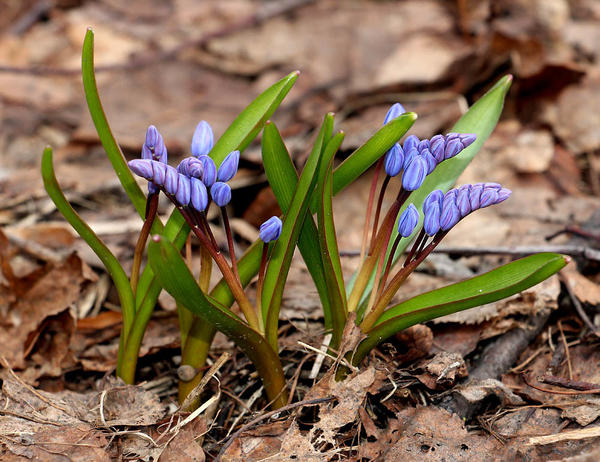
column 191, row 167
column 431, row 162
column 203, row 139
column 141, row 167
column 423, row 144
column 171, row 180
column 453, row 147
column 229, row 166
column 409, row 156
column 450, row 215
column 183, row 189
column 451, row 136
column 210, row 171
column 475, row 196
column 394, row 160
column 154, row 146
column 414, row 174
column 435, row 197
column 410, row 142
column 437, row 149
column 431, row 220
column 463, row 201
column 467, row 139
column 395, row 111
column 489, row 196
column 199, row 195
column 503, row 194
column 408, row 221
column 270, row 230
column 221, row 193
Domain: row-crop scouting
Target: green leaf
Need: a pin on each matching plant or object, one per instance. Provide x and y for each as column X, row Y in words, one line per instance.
column 252, row 119
column 281, row 256
column 329, row 249
column 113, row 151
column 111, row 263
column 360, row 160
column 180, row 283
column 495, row 285
column 283, row 179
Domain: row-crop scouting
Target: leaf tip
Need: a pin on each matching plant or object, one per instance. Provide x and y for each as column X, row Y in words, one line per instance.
column 567, row 259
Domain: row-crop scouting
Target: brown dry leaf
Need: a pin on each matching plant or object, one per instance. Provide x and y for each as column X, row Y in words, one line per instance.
column 46, row 305
column 417, row 341
column 584, row 289
column 433, row 434
column 477, row 391
column 528, row 421
column 183, row 446
column 442, row 370
column 461, row 339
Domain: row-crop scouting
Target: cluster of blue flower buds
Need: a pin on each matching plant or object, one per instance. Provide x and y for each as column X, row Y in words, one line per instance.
column 195, row 176
column 418, row 158
column 442, row 211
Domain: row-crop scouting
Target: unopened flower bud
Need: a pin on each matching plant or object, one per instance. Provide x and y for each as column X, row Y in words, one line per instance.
column 408, row 221
column 395, row 111
column 431, row 218
column 209, row 176
column 414, row 174
column 270, row 230
column 394, row 160
column 198, row 195
column 449, row 216
column 191, row 167
column 410, row 142
column 221, row 193
column 463, row 201
column 429, row 159
column 409, row 156
column 203, row 139
column 183, row 189
column 229, row 166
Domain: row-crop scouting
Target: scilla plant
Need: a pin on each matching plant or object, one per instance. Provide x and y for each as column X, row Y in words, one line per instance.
column 426, row 170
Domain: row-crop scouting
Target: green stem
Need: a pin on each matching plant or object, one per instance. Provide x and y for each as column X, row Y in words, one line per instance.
column 151, row 209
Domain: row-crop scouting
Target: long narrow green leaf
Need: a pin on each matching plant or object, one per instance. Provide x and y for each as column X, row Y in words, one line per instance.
column 180, row 283
column 251, row 120
column 283, row 179
column 360, row 160
column 111, row 263
column 495, row 285
column 329, row 249
column 281, row 257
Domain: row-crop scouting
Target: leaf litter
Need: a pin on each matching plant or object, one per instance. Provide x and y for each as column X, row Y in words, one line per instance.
column 59, row 330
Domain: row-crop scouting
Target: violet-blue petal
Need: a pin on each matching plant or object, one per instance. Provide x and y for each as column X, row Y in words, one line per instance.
column 394, row 160
column 210, row 171
column 450, row 215
column 423, row 144
column 221, row 193
column 394, row 112
column 171, row 180
column 159, row 172
column 203, row 139
column 191, row 167
column 463, row 202
column 451, row 136
column 408, row 221
column 503, row 194
column 475, row 196
column 146, row 152
column 453, row 147
column 270, row 230
column 198, row 195
column 431, row 220
column 410, row 142
column 183, row 189
column 409, row 156
column 414, row 174
column 489, row 196
column 431, row 162
column 467, row 138
column 437, row 148
column 152, row 136
column 229, row 166
column 492, row 185
column 434, row 197
column 141, row 167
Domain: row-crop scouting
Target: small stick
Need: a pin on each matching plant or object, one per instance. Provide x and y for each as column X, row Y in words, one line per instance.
column 567, row 353
column 577, row 304
column 195, row 393
column 560, row 392
column 573, row 384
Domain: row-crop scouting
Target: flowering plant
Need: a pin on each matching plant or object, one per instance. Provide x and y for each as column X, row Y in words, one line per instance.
column 426, row 168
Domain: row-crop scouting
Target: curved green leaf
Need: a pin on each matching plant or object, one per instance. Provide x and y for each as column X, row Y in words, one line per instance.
column 495, row 285
column 251, row 120
column 281, row 256
column 111, row 263
column 283, row 179
column 180, row 283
